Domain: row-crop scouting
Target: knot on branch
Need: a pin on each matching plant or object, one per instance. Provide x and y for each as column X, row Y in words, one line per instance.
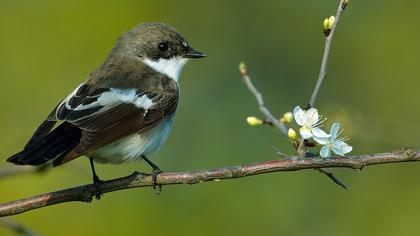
column 236, row 171
column 407, row 153
column 86, row 195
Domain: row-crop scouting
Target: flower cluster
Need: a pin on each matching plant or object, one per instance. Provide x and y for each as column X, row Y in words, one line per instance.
column 310, row 122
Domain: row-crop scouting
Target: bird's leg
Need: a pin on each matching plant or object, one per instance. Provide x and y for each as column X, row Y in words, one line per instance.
column 155, row 173
column 96, row 181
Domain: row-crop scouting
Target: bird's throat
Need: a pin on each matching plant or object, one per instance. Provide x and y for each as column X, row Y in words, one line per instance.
column 171, row 67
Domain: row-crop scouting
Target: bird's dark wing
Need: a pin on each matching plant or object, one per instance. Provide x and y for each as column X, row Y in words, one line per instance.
column 107, row 114
column 92, row 118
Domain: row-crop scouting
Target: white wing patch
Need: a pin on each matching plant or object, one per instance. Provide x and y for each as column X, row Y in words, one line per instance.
column 171, row 67
column 143, row 102
column 110, row 99
column 117, row 96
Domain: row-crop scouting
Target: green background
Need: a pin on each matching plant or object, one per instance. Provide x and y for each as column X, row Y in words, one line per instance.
column 48, row 47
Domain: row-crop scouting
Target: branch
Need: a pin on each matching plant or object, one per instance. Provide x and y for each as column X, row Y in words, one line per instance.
column 323, row 73
column 330, row 175
column 16, row 227
column 326, row 54
column 12, row 170
column 270, row 118
column 84, row 193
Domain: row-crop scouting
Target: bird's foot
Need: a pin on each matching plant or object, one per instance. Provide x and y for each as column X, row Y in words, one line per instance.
column 97, row 193
column 155, row 173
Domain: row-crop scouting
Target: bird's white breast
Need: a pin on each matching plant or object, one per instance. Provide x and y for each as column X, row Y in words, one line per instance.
column 131, row 148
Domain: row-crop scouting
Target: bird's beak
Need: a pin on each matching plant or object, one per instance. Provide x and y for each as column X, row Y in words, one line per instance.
column 194, row 54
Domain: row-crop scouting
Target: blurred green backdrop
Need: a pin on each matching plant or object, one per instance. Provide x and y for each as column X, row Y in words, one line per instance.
column 48, row 47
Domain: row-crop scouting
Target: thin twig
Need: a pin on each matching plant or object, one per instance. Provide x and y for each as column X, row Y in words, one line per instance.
column 279, row 125
column 330, row 175
column 16, row 227
column 323, row 73
column 12, row 170
column 84, row 193
column 325, row 56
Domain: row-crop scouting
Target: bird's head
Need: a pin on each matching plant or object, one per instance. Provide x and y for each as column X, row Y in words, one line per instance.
column 158, row 45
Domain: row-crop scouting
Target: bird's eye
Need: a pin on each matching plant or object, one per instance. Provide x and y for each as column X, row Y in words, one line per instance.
column 163, row 47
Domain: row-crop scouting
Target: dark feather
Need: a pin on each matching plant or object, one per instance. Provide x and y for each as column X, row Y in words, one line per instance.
column 60, row 141
column 40, row 133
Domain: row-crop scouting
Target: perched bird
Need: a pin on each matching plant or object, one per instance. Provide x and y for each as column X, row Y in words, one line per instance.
column 124, row 111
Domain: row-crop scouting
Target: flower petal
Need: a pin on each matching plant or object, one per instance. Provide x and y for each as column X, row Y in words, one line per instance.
column 305, row 133
column 311, row 116
column 320, row 133
column 299, row 115
column 320, row 136
column 325, row 152
column 341, row 148
column 335, row 128
column 321, row 140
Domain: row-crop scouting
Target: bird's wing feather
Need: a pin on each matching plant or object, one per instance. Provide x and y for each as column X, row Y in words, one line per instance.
column 107, row 114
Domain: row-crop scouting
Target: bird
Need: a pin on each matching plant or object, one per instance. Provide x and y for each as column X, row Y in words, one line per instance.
column 124, row 110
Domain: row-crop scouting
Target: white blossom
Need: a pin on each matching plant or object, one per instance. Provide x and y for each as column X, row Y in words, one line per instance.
column 310, row 122
column 331, row 142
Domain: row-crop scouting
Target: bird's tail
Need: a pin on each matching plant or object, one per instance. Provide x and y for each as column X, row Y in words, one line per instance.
column 55, row 144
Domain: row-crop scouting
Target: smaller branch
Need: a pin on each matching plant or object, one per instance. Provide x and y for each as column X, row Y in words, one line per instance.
column 301, row 149
column 328, row 42
column 12, row 170
column 270, row 118
column 330, row 175
column 16, row 227
column 323, row 73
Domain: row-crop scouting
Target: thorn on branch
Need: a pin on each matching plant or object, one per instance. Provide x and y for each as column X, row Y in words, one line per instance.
column 278, row 152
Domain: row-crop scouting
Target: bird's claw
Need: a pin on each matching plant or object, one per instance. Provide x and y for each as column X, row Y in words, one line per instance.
column 155, row 174
column 97, row 193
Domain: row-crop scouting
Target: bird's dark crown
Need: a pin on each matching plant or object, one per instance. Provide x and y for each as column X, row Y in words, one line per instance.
column 155, row 41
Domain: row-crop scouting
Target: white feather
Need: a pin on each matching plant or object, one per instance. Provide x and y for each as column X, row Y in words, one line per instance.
column 171, row 67
column 143, row 102
column 112, row 98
